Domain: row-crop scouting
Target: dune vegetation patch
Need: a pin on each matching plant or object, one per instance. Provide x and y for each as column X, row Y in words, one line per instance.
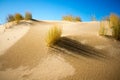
column 28, row 16
column 53, row 35
column 102, row 30
column 71, row 18
column 18, row 17
column 114, row 24
column 10, row 18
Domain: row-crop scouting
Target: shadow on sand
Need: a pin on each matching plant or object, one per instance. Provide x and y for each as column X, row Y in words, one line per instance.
column 76, row 47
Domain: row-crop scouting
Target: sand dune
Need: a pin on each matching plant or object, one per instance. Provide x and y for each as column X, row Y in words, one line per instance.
column 8, row 37
column 81, row 54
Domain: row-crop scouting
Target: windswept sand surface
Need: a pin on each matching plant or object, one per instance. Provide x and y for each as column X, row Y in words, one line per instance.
column 9, row 36
column 80, row 55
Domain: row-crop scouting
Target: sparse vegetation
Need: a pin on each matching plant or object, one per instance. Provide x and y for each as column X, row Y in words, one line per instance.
column 18, row 17
column 115, row 25
column 71, row 18
column 77, row 19
column 10, row 18
column 53, row 35
column 68, row 18
column 102, row 30
column 28, row 16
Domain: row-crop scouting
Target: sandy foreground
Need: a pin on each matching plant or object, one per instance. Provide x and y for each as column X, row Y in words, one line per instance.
column 81, row 54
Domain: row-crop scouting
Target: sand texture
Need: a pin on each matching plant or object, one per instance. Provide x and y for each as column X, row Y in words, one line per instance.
column 80, row 54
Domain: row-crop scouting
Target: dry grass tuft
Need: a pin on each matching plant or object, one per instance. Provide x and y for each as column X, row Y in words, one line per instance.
column 10, row 18
column 71, row 18
column 115, row 25
column 53, row 35
column 77, row 19
column 28, row 16
column 18, row 17
column 67, row 18
column 102, row 30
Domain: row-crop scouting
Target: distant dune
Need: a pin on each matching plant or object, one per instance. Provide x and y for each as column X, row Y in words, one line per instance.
column 80, row 54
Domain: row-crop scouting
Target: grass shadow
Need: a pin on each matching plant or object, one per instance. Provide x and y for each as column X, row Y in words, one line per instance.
column 35, row 20
column 108, row 36
column 77, row 48
column 24, row 23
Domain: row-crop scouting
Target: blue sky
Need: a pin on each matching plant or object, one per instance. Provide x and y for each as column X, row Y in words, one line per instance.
column 55, row 9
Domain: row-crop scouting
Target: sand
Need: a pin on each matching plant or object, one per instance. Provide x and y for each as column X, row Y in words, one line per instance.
column 9, row 37
column 80, row 55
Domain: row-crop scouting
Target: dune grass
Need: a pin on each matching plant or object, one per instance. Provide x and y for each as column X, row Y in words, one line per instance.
column 102, row 30
column 53, row 35
column 77, row 19
column 10, row 18
column 18, row 17
column 71, row 18
column 67, row 18
column 115, row 25
column 28, row 16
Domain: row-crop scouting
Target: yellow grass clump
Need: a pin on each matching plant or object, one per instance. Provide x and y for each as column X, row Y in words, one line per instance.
column 102, row 30
column 10, row 18
column 77, row 19
column 67, row 18
column 114, row 20
column 53, row 35
column 18, row 17
column 115, row 25
column 71, row 18
column 28, row 16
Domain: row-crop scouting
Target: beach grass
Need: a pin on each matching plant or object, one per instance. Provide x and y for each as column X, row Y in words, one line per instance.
column 53, row 35
column 115, row 25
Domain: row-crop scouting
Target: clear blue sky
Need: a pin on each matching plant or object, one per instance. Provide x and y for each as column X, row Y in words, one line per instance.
column 55, row 9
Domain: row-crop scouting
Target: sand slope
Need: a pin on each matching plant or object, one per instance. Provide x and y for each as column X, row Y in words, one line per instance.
column 9, row 36
column 80, row 55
